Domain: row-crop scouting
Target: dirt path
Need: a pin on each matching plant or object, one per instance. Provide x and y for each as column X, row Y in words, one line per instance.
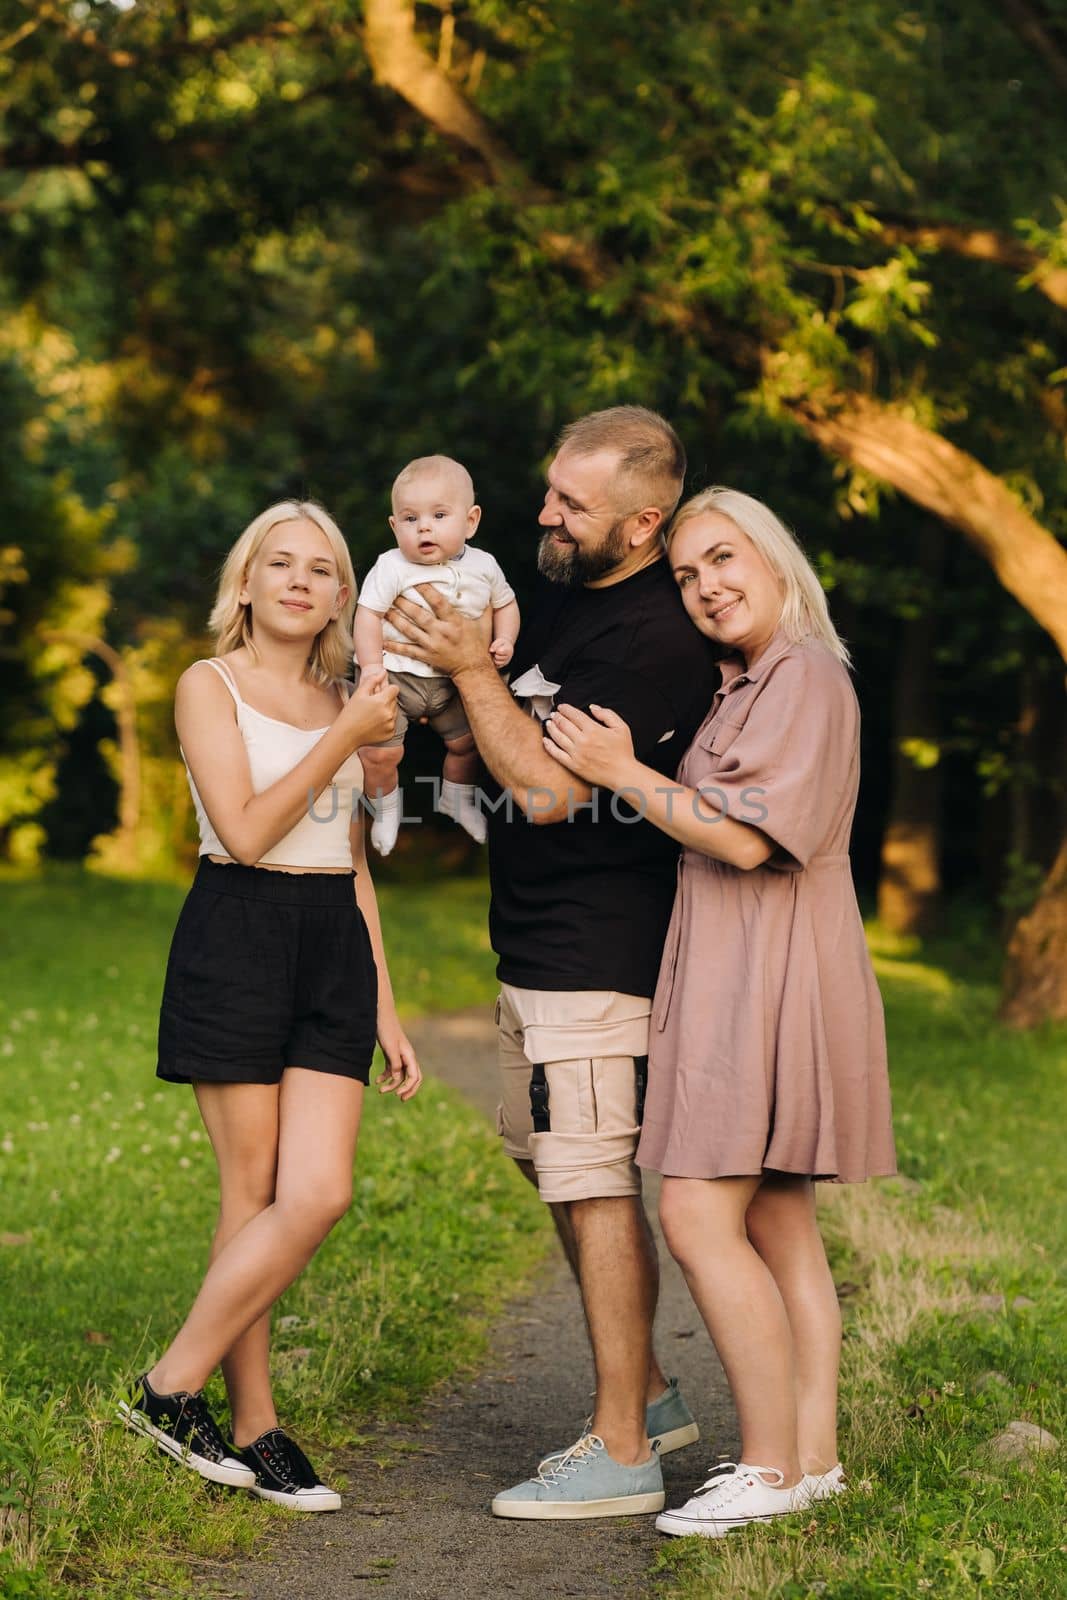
column 422, row 1527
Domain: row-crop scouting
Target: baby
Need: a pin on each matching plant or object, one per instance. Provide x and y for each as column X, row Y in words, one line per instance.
column 434, row 515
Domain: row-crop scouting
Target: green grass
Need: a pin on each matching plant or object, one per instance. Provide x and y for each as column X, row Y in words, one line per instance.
column 110, row 1215
column 108, row 1197
column 930, row 1376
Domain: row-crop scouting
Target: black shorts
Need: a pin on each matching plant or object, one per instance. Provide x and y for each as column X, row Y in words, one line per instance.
column 267, row 970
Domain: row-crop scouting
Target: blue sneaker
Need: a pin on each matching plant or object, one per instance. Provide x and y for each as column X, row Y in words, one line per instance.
column 584, row 1481
column 669, row 1424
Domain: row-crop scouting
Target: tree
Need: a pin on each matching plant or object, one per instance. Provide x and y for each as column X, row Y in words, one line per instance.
column 780, row 224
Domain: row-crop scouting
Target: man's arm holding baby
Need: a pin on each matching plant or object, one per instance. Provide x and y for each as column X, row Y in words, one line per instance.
column 509, row 741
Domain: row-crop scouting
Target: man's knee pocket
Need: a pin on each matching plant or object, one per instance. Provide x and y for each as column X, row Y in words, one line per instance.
column 586, row 1131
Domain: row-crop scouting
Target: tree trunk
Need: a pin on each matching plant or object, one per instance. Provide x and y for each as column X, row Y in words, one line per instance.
column 1035, row 973
column 909, row 887
column 1027, row 558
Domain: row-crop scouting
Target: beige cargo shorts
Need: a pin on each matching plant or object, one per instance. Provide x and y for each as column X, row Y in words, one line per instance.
column 572, row 1069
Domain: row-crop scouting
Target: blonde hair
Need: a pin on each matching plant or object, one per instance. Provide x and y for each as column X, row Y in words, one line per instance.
column 231, row 619
column 805, row 613
column 651, row 455
column 425, row 466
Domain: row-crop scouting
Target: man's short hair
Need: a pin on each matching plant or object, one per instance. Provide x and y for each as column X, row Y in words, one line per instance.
column 651, row 455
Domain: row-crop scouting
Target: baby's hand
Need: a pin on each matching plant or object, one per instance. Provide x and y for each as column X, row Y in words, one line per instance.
column 501, row 650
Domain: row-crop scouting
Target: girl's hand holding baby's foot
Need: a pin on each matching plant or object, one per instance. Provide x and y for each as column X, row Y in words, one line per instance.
column 501, row 651
column 371, row 710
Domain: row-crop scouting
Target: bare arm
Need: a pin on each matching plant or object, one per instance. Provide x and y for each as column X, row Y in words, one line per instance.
column 247, row 823
column 402, row 1070
column 600, row 746
column 505, row 632
column 367, row 637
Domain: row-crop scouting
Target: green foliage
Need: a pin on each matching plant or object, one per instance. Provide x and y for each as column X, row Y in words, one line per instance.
column 236, row 267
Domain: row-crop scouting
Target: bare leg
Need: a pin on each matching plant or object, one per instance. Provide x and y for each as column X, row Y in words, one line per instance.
column 318, row 1119
column 380, row 763
column 561, row 1218
column 742, row 1307
column 782, row 1226
column 656, row 1382
column 242, row 1123
column 462, row 760
column 618, row 1279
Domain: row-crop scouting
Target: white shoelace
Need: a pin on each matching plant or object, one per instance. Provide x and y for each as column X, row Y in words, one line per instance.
column 571, row 1461
column 731, row 1478
column 556, row 1454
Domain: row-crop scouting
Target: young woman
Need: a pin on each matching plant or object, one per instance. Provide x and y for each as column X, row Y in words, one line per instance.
column 767, row 1064
column 277, row 982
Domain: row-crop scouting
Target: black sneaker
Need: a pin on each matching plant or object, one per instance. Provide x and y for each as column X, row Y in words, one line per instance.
column 285, row 1475
column 182, row 1426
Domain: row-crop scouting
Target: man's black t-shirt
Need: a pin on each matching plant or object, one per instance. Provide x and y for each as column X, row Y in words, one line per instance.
column 584, row 904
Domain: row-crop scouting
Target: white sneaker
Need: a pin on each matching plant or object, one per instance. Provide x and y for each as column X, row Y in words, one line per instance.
column 824, row 1485
column 734, row 1495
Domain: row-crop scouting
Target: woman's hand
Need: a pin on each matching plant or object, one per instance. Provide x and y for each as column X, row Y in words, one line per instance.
column 402, row 1071
column 371, row 710
column 599, row 751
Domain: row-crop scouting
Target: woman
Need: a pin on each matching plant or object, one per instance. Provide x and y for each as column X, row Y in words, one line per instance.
column 277, row 981
column 767, row 1064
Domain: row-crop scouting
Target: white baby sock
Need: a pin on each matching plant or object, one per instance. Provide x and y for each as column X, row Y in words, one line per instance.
column 386, row 824
column 457, row 802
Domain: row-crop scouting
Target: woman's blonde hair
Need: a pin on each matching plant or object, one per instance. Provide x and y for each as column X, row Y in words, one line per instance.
column 805, row 614
column 231, row 620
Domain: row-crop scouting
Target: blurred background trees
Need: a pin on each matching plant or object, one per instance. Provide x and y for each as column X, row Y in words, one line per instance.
column 247, row 254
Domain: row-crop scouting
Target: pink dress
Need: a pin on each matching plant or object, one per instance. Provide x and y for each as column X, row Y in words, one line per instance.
column 767, row 1047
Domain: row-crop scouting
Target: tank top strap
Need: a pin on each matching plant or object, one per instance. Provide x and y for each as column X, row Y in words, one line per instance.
column 227, row 677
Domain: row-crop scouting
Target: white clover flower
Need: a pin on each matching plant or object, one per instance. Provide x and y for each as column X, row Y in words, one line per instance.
column 74, row 1119
column 113, row 1154
column 183, row 1161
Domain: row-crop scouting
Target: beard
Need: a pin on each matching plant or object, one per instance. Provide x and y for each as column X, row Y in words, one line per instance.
column 571, row 566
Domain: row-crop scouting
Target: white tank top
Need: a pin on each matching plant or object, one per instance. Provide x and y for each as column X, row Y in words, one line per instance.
column 321, row 838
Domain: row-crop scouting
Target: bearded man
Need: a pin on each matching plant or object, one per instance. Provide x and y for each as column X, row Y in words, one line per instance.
column 582, row 890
